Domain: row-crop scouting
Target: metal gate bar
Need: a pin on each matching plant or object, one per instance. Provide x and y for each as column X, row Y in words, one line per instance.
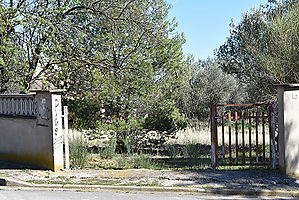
column 249, row 135
column 241, row 119
column 243, row 136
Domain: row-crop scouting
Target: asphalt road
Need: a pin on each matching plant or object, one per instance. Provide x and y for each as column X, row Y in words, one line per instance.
column 72, row 195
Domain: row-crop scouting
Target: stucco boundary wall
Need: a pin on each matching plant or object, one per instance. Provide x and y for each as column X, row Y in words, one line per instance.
column 288, row 125
column 31, row 129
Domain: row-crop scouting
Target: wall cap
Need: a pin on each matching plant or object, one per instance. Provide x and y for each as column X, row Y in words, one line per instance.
column 56, row 91
column 287, row 85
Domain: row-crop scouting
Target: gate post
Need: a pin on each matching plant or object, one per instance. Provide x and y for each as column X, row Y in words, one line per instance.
column 288, row 124
column 66, row 138
column 272, row 135
column 214, row 139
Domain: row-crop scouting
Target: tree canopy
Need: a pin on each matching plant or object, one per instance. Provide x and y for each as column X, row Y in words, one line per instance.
column 121, row 61
column 116, row 59
column 68, row 44
column 262, row 49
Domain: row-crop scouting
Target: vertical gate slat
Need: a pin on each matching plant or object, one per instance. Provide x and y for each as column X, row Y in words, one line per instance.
column 270, row 130
column 257, row 136
column 243, row 137
column 229, row 138
column 214, row 147
column 263, row 133
column 236, row 132
column 223, row 141
column 272, row 136
column 249, row 135
column 252, row 121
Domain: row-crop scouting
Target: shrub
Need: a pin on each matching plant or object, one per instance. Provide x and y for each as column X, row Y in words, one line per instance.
column 78, row 152
column 160, row 116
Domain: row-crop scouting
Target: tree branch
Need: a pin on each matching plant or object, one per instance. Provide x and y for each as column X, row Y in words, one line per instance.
column 123, row 10
column 134, row 49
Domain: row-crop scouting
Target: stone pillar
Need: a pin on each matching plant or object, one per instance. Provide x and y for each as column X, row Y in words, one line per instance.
column 49, row 114
column 288, row 122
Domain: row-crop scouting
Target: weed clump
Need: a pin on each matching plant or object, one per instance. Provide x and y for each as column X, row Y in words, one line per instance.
column 79, row 154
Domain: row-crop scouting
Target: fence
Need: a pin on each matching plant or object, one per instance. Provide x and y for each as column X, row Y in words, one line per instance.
column 243, row 134
column 31, row 129
column 17, row 106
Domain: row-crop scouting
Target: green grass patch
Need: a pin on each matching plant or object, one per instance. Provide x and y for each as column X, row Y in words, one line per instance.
column 144, row 161
column 88, row 181
column 124, row 161
column 183, row 163
column 155, row 184
column 79, row 154
column 243, row 167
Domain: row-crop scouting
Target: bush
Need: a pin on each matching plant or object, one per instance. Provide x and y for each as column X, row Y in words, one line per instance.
column 108, row 151
column 136, row 161
column 84, row 113
column 165, row 117
column 78, row 153
column 128, row 125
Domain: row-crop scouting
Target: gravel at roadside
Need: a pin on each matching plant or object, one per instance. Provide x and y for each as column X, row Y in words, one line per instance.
column 239, row 179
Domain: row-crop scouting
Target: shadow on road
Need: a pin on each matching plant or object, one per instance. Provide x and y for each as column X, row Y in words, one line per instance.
column 248, row 179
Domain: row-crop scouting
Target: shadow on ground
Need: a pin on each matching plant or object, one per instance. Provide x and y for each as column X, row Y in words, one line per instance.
column 12, row 165
column 183, row 163
column 246, row 179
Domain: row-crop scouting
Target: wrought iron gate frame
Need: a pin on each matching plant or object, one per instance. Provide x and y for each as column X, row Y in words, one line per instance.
column 214, row 135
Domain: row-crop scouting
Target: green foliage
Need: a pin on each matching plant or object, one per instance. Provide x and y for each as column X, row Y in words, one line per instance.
column 133, row 67
column 277, row 51
column 135, row 162
column 9, row 52
column 84, row 112
column 187, row 150
column 78, row 153
column 118, row 60
column 209, row 84
column 173, row 151
column 113, row 47
column 192, row 151
column 261, row 50
column 109, row 149
column 164, row 116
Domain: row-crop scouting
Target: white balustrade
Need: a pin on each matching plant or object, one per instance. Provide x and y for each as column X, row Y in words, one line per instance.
column 17, row 106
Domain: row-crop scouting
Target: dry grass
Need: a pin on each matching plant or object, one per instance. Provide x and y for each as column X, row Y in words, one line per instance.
column 240, row 136
column 100, row 140
column 196, row 136
column 203, row 136
column 189, row 149
column 192, row 136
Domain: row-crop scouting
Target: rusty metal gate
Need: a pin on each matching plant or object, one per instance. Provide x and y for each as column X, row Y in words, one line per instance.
column 242, row 134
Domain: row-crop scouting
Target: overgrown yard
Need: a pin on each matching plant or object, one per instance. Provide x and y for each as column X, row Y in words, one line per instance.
column 189, row 149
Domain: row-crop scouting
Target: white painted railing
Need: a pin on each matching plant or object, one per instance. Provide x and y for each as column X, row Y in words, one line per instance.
column 17, row 106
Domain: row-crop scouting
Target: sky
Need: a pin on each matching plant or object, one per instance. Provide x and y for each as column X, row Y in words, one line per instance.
column 206, row 22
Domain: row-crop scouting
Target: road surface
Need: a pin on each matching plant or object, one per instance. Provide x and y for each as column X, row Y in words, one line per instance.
column 72, row 195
